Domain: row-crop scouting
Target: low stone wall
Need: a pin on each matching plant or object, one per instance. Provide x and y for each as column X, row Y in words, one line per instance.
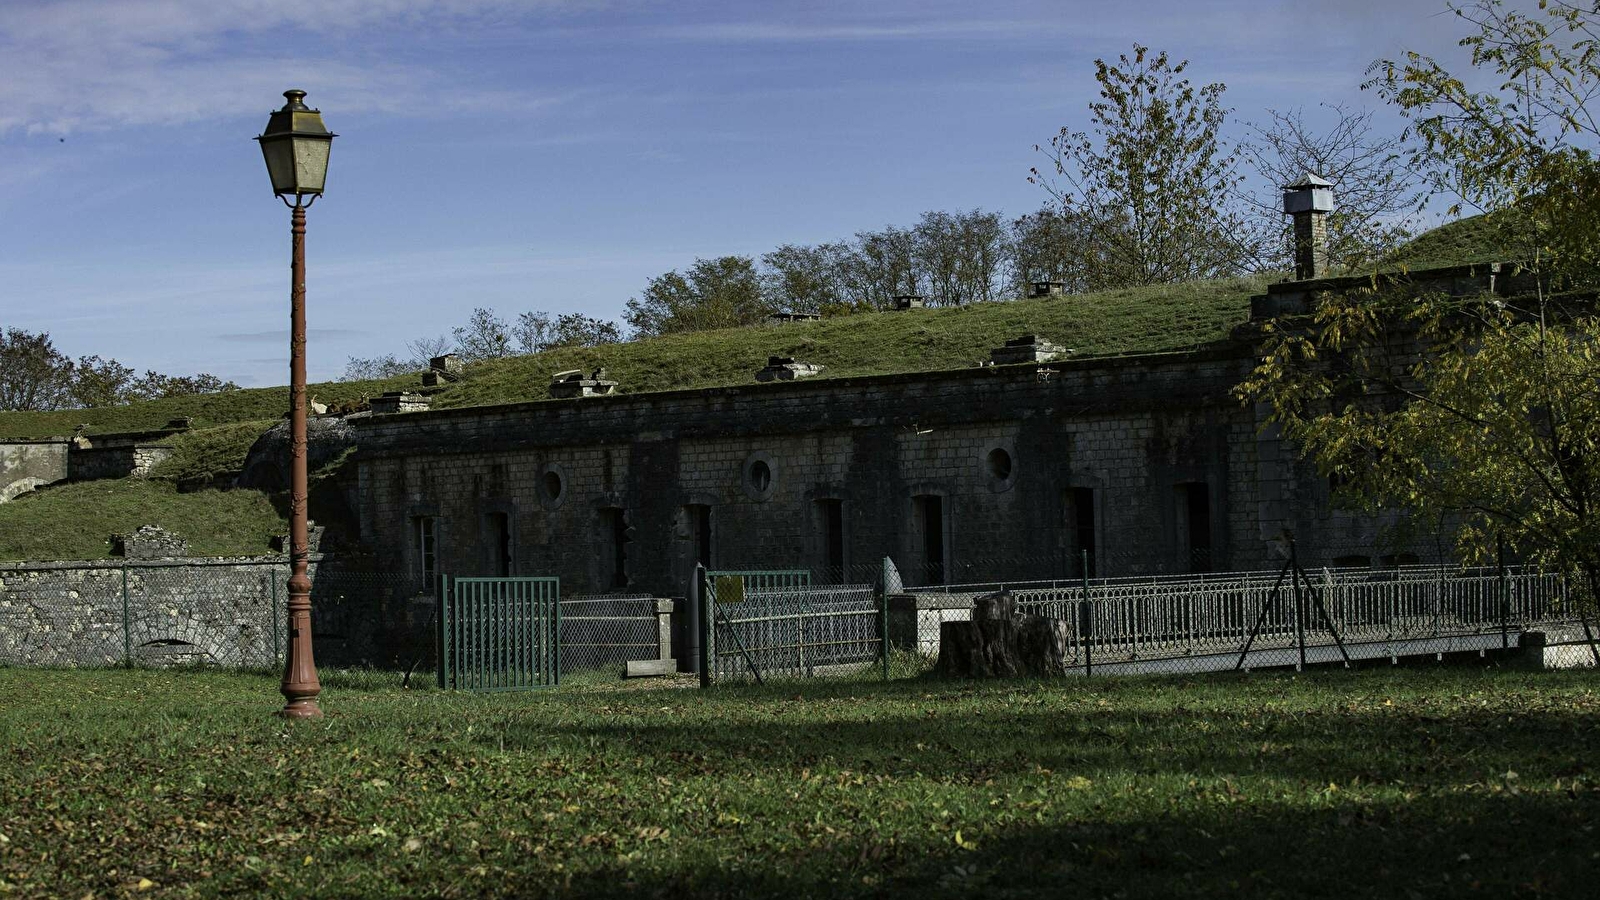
column 914, row 619
column 94, row 613
column 115, row 462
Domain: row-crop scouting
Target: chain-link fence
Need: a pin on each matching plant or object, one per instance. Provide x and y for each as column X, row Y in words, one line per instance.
column 795, row 631
column 604, row 632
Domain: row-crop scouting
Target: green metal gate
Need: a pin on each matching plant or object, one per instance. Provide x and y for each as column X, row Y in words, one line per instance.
column 500, row 634
column 727, row 589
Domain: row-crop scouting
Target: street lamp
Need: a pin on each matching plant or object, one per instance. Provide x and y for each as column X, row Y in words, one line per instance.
column 295, row 145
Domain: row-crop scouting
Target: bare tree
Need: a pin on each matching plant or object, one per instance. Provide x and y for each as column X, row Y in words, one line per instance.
column 424, row 349
column 533, row 330
column 1379, row 197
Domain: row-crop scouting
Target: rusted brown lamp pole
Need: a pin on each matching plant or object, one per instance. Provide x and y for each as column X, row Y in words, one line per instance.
column 296, row 144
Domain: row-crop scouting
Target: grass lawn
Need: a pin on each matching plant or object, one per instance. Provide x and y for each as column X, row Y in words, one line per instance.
column 1427, row 782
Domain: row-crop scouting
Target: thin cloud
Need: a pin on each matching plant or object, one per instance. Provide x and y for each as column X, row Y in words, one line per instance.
column 98, row 64
column 749, row 32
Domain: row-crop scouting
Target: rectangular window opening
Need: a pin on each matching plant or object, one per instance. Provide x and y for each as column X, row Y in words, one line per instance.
column 427, row 557
column 700, row 528
column 1080, row 525
column 614, row 533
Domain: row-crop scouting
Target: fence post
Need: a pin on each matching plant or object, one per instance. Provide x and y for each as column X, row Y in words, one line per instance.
column 127, row 628
column 699, row 615
column 272, row 577
column 883, row 615
column 444, row 631
column 1299, row 604
column 1086, row 621
column 1505, row 590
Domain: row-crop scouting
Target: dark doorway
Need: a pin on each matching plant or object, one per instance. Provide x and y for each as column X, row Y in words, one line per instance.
column 498, row 541
column 929, row 512
column 614, row 538
column 832, row 514
column 1081, row 537
column 1195, row 498
column 699, row 516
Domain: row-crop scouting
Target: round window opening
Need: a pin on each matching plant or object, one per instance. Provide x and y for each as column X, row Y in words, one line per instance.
column 552, row 485
column 999, row 464
column 760, row 476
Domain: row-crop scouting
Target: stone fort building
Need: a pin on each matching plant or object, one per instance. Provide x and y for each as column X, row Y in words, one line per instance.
column 1025, row 468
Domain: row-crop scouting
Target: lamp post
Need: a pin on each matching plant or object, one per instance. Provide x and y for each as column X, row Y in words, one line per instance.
column 295, row 144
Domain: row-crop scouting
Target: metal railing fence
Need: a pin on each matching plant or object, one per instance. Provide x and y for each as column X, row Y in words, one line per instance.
column 1200, row 623
column 500, row 634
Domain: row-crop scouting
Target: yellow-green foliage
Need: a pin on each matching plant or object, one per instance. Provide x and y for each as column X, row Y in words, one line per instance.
column 76, row 521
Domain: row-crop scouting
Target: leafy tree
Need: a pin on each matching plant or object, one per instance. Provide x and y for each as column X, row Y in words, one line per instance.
column 1048, row 245
column 34, row 375
column 100, row 382
column 961, row 255
column 1380, row 196
column 802, row 279
column 724, row 292
column 153, row 385
column 1153, row 186
column 1475, row 412
column 1523, row 150
column 880, row 266
column 375, row 368
column 578, row 330
column 485, row 336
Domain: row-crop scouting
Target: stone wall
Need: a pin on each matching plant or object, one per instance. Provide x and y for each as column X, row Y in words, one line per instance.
column 25, row 465
column 89, row 464
column 536, row 488
column 73, row 614
column 224, row 612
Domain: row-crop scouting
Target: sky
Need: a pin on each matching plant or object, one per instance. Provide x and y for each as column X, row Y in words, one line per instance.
column 550, row 154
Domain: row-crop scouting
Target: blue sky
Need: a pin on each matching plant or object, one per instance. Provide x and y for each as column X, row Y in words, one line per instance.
column 547, row 154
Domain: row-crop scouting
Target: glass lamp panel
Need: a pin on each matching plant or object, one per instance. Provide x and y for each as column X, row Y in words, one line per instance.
column 280, row 165
column 310, row 164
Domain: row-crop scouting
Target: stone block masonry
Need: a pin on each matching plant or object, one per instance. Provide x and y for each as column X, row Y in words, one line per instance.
column 1148, row 463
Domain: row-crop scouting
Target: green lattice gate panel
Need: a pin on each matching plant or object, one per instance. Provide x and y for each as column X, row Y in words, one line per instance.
column 501, row 634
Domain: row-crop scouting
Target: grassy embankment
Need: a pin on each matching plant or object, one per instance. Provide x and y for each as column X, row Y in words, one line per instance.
column 1443, row 782
column 1133, row 321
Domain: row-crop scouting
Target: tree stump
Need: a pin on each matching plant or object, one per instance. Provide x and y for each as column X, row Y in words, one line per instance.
column 1001, row 643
